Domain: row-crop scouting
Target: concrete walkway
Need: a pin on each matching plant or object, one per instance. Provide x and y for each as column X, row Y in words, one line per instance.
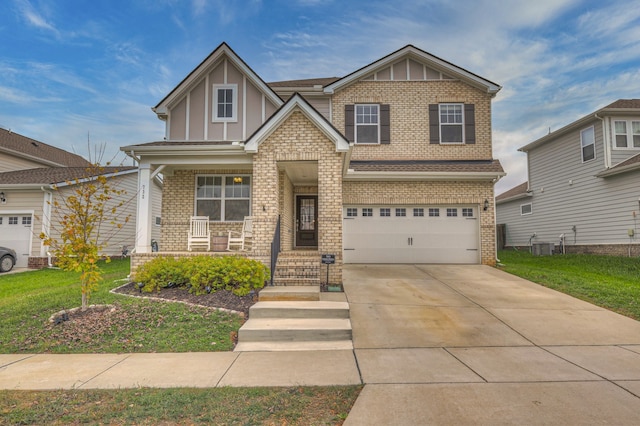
column 434, row 344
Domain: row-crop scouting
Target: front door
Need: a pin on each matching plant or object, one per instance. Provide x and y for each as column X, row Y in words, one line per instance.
column 307, row 221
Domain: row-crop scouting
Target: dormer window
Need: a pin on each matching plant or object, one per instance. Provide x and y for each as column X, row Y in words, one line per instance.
column 225, row 102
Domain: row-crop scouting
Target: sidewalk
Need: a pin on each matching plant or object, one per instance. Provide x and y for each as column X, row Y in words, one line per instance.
column 434, row 344
column 164, row 370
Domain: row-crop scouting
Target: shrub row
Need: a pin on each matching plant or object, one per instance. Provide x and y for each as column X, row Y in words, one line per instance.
column 234, row 273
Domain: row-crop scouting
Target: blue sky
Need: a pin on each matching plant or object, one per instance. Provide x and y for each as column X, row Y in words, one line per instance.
column 72, row 68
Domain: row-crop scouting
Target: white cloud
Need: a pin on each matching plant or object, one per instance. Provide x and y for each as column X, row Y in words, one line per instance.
column 33, row 18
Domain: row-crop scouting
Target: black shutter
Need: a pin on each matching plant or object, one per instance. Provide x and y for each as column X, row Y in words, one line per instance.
column 348, row 123
column 434, row 123
column 469, row 124
column 385, row 124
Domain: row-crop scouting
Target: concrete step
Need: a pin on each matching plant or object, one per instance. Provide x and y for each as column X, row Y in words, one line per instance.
column 327, row 345
column 294, row 330
column 299, row 309
column 309, row 293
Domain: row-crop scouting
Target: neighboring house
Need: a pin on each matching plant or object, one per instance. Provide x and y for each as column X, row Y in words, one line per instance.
column 30, row 171
column 583, row 187
column 390, row 164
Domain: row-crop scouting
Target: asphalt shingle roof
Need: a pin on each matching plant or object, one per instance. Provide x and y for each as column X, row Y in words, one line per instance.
column 468, row 166
column 15, row 142
column 516, row 190
column 51, row 175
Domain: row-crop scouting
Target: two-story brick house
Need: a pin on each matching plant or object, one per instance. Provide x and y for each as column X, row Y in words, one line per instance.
column 390, row 164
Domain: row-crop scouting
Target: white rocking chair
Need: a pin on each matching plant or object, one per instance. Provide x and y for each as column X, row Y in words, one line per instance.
column 199, row 235
column 238, row 240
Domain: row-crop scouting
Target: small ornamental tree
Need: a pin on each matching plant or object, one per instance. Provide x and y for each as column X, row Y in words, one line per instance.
column 84, row 222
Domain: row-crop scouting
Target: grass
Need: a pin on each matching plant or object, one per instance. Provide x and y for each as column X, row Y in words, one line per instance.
column 607, row 281
column 228, row 406
column 28, row 299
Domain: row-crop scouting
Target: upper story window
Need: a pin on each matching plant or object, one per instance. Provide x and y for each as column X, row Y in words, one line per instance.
column 225, row 102
column 367, row 120
column 223, row 198
column 452, row 123
column 626, row 134
column 367, row 123
column 588, row 144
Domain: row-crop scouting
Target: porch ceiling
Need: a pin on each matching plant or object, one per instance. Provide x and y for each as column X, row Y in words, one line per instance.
column 301, row 172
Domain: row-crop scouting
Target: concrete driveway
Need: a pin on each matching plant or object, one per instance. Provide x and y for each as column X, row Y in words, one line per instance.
column 449, row 344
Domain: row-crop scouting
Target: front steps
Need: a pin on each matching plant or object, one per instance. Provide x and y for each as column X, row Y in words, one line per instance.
column 296, row 319
column 297, row 268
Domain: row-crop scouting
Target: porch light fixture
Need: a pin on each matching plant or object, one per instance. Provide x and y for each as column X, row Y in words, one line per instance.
column 237, row 179
column 486, row 205
column 2, row 197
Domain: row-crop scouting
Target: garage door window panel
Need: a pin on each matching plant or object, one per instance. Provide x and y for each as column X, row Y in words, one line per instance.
column 434, row 212
column 367, row 212
column 401, row 212
column 419, row 212
column 13, row 220
column 384, row 212
column 452, row 212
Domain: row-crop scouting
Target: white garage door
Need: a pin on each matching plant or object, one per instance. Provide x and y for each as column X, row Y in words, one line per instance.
column 15, row 233
column 411, row 234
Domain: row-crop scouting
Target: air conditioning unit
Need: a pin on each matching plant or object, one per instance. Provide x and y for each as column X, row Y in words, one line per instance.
column 542, row 249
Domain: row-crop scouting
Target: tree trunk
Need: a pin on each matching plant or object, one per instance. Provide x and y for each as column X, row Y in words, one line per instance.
column 84, row 301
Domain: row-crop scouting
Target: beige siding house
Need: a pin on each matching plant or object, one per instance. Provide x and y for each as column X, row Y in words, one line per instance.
column 30, row 172
column 389, row 164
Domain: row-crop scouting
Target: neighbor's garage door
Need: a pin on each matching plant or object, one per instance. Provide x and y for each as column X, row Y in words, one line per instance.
column 15, row 233
column 411, row 234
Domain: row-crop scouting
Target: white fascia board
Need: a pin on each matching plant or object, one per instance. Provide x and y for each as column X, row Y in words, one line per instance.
column 89, row 179
column 515, row 197
column 23, row 186
column 183, row 147
column 617, row 170
column 342, row 145
column 420, row 176
column 433, row 61
column 32, row 157
column 200, row 160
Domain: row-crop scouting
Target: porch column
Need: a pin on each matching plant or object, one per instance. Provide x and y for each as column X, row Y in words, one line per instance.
column 143, row 218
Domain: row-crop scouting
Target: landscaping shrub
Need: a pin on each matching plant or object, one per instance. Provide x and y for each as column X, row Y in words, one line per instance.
column 234, row 273
column 160, row 272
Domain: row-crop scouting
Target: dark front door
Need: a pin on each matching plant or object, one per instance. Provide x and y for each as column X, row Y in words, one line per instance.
column 307, row 221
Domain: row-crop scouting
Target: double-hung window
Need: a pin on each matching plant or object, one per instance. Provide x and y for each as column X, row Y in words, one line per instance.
column 588, row 144
column 626, row 134
column 367, row 124
column 225, row 102
column 451, row 123
column 223, row 198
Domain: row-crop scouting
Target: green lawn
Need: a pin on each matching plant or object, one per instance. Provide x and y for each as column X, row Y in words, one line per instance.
column 28, row 299
column 607, row 281
column 221, row 406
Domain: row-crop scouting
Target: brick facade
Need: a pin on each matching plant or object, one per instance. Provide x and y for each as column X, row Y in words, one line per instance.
column 297, row 139
column 409, row 109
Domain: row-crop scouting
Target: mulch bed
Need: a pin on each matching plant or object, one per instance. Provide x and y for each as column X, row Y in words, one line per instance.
column 219, row 299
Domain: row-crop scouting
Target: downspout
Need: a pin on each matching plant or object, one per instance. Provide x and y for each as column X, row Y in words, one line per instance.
column 46, row 222
column 606, row 146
